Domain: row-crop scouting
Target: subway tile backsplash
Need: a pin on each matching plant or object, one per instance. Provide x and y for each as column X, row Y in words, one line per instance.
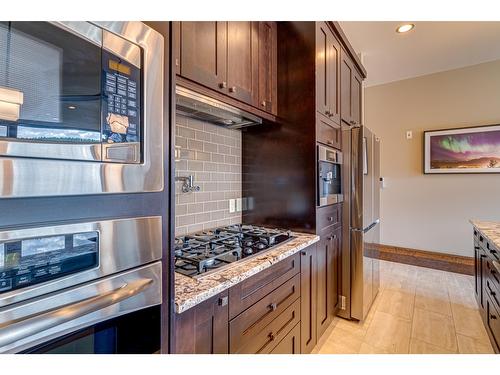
column 212, row 155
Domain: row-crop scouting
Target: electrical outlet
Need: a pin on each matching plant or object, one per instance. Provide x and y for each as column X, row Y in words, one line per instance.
column 238, row 205
column 409, row 134
column 232, row 206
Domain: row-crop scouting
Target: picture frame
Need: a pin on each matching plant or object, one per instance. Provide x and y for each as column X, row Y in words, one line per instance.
column 462, row 150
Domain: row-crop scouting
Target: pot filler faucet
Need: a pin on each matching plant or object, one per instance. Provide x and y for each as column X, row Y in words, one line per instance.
column 187, row 186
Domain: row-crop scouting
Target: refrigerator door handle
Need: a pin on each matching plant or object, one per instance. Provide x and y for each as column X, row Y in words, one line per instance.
column 364, row 230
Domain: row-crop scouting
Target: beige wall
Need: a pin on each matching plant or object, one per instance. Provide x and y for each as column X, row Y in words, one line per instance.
column 431, row 212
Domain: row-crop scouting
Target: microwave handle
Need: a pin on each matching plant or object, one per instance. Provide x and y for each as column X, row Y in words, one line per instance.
column 15, row 330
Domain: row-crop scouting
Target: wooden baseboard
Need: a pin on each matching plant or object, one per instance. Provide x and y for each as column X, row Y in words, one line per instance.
column 429, row 259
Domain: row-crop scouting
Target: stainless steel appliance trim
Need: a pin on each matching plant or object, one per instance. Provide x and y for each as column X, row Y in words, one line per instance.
column 20, row 148
column 19, row 329
column 131, row 152
column 123, row 244
column 323, row 155
column 25, row 177
column 79, row 307
column 122, row 48
column 82, row 29
column 192, row 104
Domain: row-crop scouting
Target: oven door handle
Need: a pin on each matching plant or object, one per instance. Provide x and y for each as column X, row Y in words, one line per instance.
column 19, row 329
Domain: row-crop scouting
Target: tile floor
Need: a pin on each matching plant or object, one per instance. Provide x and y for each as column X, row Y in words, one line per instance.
column 417, row 311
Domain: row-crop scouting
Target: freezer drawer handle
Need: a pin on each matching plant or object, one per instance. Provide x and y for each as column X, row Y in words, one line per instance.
column 15, row 330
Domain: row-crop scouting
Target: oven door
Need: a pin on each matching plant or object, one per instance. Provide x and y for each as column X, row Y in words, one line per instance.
column 119, row 314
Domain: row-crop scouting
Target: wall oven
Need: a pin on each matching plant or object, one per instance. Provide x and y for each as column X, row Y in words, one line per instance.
column 82, row 288
column 329, row 176
column 81, row 108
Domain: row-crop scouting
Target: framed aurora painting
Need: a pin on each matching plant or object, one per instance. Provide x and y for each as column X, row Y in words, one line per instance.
column 464, row 150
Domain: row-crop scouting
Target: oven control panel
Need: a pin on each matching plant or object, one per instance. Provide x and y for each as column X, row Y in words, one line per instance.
column 30, row 261
column 121, row 110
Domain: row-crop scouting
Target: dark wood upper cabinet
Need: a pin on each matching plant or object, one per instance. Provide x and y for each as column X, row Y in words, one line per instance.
column 268, row 66
column 236, row 59
column 242, row 69
column 204, row 329
column 327, row 73
column 203, row 56
column 350, row 90
column 346, row 77
column 309, row 293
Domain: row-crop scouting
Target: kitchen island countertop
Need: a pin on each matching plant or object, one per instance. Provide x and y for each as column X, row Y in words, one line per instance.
column 490, row 229
column 190, row 291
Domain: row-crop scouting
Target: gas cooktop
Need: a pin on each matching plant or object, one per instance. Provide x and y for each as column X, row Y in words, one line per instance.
column 203, row 252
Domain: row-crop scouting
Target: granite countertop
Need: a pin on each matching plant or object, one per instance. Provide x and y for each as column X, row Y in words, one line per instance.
column 189, row 291
column 490, row 229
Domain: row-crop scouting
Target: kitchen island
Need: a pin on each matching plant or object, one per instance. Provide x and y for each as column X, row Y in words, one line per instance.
column 487, row 276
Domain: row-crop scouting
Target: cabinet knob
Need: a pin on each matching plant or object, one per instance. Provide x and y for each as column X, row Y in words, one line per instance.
column 272, row 337
column 223, row 85
column 476, row 247
column 327, row 112
column 330, row 218
column 263, row 103
column 273, row 306
column 303, row 253
column 493, row 317
column 352, row 122
column 493, row 251
column 232, row 89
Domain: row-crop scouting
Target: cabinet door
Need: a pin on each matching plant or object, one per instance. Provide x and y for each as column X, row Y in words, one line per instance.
column 336, row 270
column 267, row 66
column 333, row 78
column 357, row 92
column 309, row 293
column 346, row 78
column 242, row 74
column 204, row 329
column 324, row 312
column 322, row 69
column 482, row 276
column 203, row 53
column 477, row 271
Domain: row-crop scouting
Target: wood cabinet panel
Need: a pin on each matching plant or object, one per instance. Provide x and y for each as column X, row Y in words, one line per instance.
column 328, row 133
column 203, row 53
column 245, row 330
column 357, row 92
column 493, row 322
column 203, row 329
column 242, row 60
column 308, row 296
column 346, row 77
column 267, row 66
column 251, row 290
column 290, row 344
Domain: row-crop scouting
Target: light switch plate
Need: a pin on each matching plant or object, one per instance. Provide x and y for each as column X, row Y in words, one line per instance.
column 232, row 206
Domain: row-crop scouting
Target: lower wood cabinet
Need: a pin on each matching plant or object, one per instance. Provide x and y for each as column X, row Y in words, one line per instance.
column 281, row 310
column 203, row 329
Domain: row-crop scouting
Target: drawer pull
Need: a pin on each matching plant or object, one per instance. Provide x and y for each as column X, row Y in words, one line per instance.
column 493, row 251
column 493, row 317
column 303, row 253
column 232, row 89
column 273, row 306
column 476, row 247
column 483, row 256
column 223, row 85
column 272, row 337
column 330, row 218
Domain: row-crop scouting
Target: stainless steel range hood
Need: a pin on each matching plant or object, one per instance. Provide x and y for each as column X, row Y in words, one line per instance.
column 201, row 107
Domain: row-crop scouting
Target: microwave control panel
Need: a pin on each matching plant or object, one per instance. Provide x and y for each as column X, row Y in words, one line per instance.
column 121, row 110
column 32, row 261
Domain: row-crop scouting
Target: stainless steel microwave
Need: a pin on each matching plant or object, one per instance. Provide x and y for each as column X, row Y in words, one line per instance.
column 81, row 108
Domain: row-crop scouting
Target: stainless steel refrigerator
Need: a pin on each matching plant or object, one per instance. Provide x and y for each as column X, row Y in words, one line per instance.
column 361, row 183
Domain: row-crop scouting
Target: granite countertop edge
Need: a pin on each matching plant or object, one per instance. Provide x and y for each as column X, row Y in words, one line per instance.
column 489, row 229
column 190, row 292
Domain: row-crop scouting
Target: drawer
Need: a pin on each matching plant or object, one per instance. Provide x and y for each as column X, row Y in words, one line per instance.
column 245, row 331
column 493, row 322
column 493, row 292
column 290, row 343
column 493, row 272
column 491, row 250
column 328, row 133
column 328, row 216
column 251, row 290
column 264, row 340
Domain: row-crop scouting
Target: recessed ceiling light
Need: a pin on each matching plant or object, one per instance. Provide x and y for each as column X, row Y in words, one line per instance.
column 405, row 28
column 71, row 107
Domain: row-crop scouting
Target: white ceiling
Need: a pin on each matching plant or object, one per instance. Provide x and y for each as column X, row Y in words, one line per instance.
column 429, row 48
